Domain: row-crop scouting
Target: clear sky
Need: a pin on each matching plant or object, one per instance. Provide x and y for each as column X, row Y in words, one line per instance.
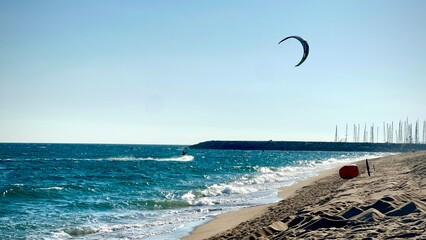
column 182, row 72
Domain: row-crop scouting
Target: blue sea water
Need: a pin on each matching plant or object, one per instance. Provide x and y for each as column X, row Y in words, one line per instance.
column 90, row 191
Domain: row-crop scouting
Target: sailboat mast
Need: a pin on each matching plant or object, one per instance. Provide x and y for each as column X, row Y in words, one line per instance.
column 424, row 132
column 403, row 132
column 355, row 133
column 384, row 132
column 365, row 133
column 377, row 135
column 358, row 132
column 335, row 135
column 346, row 136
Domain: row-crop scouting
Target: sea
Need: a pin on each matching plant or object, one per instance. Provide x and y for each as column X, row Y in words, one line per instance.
column 106, row 191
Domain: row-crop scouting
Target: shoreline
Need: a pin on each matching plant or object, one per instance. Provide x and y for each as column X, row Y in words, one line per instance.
column 391, row 203
column 229, row 220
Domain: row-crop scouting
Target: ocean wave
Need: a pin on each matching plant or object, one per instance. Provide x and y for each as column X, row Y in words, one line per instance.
column 80, row 231
column 266, row 179
column 192, row 199
column 157, row 204
column 23, row 191
column 228, row 189
column 52, row 188
column 186, row 158
column 141, row 204
column 138, row 230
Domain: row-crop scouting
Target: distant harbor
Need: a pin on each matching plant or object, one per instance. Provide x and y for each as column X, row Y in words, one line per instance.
column 310, row 146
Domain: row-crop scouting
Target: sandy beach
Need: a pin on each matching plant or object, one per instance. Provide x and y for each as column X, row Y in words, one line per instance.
column 389, row 204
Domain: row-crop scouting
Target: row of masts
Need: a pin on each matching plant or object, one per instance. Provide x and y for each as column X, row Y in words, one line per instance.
column 401, row 132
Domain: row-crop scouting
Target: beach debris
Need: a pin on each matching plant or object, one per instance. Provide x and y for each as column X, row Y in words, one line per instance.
column 349, row 171
column 305, row 47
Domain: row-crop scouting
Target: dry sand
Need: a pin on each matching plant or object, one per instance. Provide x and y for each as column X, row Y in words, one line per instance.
column 390, row 204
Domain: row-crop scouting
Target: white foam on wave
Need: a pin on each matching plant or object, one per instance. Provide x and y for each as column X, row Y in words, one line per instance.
column 52, row 188
column 186, row 158
column 301, row 170
column 228, row 189
column 189, row 196
column 60, row 235
column 266, row 181
column 169, row 224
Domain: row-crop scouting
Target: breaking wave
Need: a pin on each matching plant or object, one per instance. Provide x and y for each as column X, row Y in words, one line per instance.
column 265, row 182
column 186, row 158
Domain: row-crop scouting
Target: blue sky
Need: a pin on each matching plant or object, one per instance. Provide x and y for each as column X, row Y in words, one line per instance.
column 182, row 72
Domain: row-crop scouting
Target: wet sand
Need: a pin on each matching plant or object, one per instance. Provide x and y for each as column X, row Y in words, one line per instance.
column 391, row 203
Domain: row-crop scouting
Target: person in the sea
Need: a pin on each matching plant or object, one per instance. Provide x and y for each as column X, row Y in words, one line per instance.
column 183, row 153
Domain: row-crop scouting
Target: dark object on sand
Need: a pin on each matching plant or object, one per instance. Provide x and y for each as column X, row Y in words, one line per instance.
column 368, row 168
column 349, row 171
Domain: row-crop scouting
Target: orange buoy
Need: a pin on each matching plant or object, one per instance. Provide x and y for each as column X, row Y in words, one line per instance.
column 349, row 171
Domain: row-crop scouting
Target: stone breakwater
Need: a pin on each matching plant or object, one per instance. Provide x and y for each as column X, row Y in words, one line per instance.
column 309, row 146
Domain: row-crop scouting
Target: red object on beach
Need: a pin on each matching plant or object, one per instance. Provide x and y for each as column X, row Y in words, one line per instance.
column 349, row 171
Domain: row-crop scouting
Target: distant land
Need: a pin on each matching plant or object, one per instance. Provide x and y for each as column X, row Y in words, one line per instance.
column 309, row 146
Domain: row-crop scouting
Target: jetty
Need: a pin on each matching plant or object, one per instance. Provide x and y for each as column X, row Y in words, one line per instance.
column 309, row 146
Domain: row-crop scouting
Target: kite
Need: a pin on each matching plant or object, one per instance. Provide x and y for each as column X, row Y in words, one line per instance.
column 305, row 47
